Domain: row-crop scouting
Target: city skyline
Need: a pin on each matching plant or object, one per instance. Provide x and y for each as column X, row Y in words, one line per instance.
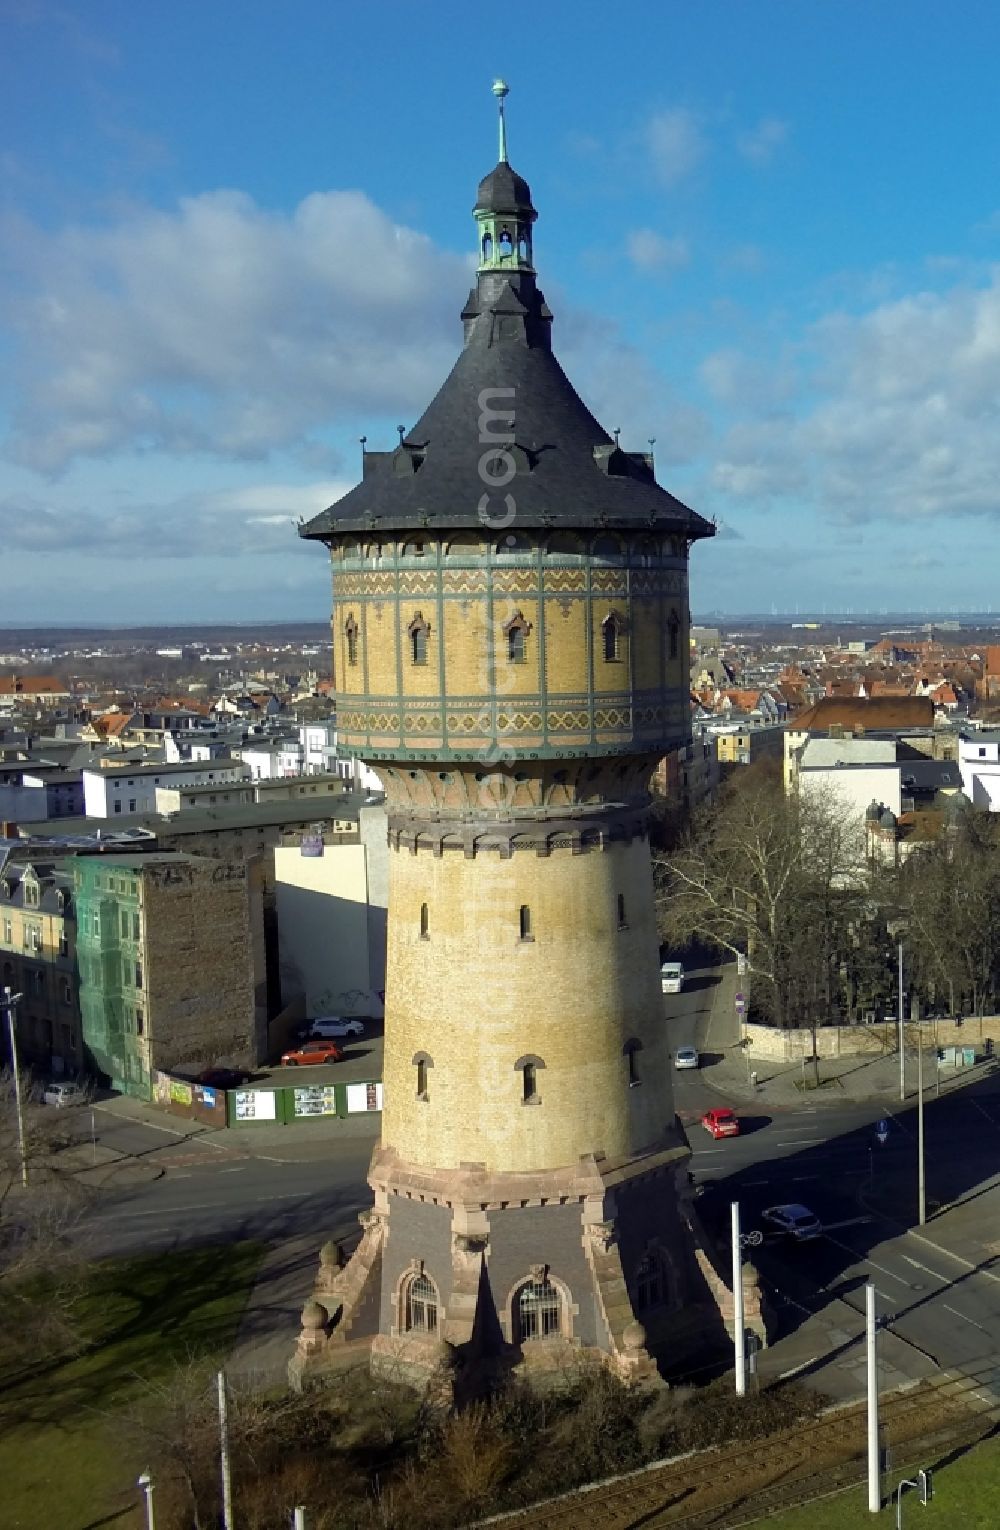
column 768, row 238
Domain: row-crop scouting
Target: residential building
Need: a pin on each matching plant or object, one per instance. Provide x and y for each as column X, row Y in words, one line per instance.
column 117, row 790
column 746, row 740
column 17, row 689
column 979, row 763
column 38, row 960
column 907, row 720
column 167, row 966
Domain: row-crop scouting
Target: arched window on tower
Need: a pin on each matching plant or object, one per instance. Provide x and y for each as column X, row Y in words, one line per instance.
column 505, row 244
column 674, row 635
column 529, row 1068
column 351, row 636
column 418, row 632
column 422, row 1062
column 487, row 247
column 648, row 1283
column 516, row 632
column 611, row 630
column 522, row 248
column 631, row 1051
column 538, row 1309
column 420, row 1305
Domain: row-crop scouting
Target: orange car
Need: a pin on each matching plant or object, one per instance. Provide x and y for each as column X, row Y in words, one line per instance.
column 311, row 1052
column 721, row 1122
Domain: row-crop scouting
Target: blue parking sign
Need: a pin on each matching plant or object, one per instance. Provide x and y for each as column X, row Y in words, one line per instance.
column 882, row 1131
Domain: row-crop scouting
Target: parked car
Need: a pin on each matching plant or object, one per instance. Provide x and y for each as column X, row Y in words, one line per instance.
column 721, row 1122
column 224, row 1078
column 332, row 1025
column 794, row 1220
column 311, row 1052
column 686, row 1057
column 672, row 977
column 65, row 1093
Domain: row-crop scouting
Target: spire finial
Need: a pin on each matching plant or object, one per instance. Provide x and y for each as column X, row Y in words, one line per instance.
column 500, row 90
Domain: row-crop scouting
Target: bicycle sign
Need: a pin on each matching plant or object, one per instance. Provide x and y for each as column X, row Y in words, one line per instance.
column 751, row 1239
column 882, row 1132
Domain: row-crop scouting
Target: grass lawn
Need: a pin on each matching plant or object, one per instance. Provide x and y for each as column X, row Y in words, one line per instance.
column 60, row 1464
column 966, row 1497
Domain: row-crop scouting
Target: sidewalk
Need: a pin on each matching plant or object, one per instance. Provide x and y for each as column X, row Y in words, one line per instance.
column 281, row 1143
column 732, row 1071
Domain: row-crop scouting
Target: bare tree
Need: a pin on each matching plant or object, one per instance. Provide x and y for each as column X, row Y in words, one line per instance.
column 779, row 880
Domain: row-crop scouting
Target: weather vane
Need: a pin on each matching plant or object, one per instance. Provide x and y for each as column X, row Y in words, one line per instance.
column 500, row 90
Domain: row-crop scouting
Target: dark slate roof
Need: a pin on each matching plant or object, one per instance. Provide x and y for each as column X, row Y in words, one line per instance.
column 504, row 191
column 569, row 471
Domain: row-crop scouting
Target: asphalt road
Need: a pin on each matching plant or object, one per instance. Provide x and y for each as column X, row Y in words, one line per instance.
column 829, row 1157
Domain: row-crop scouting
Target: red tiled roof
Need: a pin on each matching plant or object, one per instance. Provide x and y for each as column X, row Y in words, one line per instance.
column 873, row 713
column 32, row 685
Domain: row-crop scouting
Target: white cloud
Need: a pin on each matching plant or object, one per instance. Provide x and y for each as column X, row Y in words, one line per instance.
column 762, row 142
column 649, row 251
column 221, row 327
column 897, row 413
column 676, row 144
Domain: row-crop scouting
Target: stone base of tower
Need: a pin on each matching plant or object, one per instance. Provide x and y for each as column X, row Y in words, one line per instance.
column 463, row 1278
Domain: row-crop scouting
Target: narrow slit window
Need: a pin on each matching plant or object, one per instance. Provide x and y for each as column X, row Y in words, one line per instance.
column 524, row 921
column 421, row 1079
column 674, row 633
column 351, row 635
column 424, row 922
column 515, row 645
column 418, row 632
column 611, row 633
column 529, row 1081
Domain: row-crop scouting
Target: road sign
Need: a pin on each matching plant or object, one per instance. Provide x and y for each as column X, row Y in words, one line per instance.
column 751, row 1239
column 742, row 965
column 882, row 1131
column 741, row 1003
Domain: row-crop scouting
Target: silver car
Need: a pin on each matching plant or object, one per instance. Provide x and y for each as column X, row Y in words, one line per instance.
column 63, row 1094
column 686, row 1057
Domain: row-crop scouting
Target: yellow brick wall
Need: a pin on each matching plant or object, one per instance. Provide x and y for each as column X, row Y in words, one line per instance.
column 476, row 998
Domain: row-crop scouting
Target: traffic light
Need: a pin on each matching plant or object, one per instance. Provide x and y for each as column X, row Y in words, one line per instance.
column 925, row 1485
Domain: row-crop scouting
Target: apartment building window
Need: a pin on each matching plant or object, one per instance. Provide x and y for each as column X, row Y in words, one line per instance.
column 124, row 923
column 96, row 921
column 67, row 991
column 63, row 944
column 8, row 933
column 30, row 894
column 140, row 1020
column 136, row 925
column 138, row 974
column 118, row 806
column 38, row 978
column 131, row 804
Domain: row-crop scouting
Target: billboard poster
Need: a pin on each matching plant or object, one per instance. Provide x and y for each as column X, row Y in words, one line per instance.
column 316, row 1100
column 181, row 1093
column 364, row 1097
column 255, row 1105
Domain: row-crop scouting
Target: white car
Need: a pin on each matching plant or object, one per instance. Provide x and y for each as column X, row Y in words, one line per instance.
column 63, row 1094
column 686, row 1057
column 671, row 977
column 795, row 1220
column 332, row 1027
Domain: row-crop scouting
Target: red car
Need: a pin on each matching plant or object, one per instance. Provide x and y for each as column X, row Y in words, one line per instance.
column 721, row 1122
column 311, row 1052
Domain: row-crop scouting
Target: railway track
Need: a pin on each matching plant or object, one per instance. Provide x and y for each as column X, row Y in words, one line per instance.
column 739, row 1485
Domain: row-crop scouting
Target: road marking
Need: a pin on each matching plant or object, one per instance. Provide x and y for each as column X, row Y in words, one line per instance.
column 784, row 1375
column 983, row 1111
column 747, row 1183
column 955, row 1313
column 880, row 1267
column 959, row 1259
column 926, row 1269
column 800, row 1179
column 701, row 1152
column 154, row 1126
column 240, row 1169
column 799, row 1142
column 809, row 1110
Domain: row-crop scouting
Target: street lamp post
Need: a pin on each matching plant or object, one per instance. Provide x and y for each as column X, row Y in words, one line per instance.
column 739, row 1337
column 145, row 1481
column 902, row 1062
column 921, row 1186
column 871, row 1354
column 10, row 1002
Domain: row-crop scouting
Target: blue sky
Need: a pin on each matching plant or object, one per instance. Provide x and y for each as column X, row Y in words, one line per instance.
column 236, row 236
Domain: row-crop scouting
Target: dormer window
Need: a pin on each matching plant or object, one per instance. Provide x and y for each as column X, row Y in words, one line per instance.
column 30, row 894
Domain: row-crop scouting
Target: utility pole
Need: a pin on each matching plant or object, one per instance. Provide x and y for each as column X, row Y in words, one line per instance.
column 739, row 1338
column 871, row 1354
column 145, row 1481
column 921, row 1186
column 902, row 1063
column 227, row 1482
column 299, row 1522
column 10, row 1002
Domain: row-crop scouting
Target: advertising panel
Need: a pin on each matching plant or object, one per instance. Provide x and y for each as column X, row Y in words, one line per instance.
column 316, row 1100
column 364, row 1097
column 181, row 1093
column 255, row 1105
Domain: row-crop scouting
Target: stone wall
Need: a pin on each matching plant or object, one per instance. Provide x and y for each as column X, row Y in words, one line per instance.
column 869, row 1040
